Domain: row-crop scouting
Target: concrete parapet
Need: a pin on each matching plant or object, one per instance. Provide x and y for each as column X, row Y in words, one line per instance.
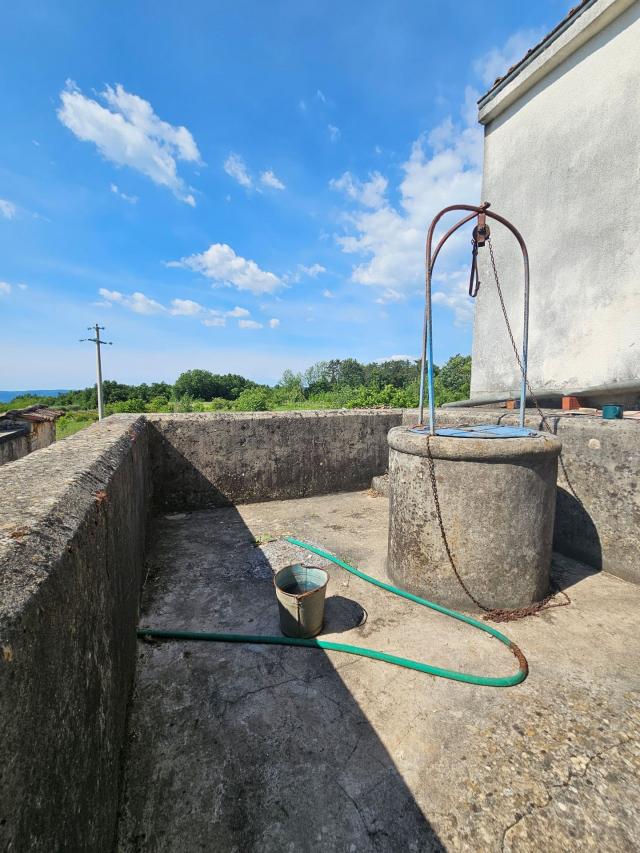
column 204, row 460
column 72, row 540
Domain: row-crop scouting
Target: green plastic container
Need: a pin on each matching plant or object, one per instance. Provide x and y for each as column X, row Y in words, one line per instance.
column 300, row 591
column 612, row 411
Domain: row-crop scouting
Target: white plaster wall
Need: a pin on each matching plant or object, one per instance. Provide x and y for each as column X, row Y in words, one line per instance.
column 563, row 163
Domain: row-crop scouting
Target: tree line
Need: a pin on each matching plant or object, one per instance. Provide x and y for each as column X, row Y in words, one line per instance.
column 338, row 383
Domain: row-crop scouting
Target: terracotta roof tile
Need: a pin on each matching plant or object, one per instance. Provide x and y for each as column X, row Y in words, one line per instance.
column 570, row 14
column 36, row 414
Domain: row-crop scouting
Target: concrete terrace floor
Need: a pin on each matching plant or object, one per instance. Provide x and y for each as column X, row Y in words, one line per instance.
column 241, row 748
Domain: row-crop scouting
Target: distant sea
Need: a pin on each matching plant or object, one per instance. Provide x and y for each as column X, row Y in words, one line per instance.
column 7, row 396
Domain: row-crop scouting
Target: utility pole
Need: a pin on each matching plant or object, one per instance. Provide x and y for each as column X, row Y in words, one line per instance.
column 99, row 343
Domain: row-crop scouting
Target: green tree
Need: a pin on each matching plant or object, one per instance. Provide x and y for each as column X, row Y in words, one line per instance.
column 350, row 373
column 454, row 379
column 197, row 384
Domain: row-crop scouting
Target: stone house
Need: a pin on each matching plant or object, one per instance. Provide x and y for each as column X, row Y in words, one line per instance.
column 24, row 430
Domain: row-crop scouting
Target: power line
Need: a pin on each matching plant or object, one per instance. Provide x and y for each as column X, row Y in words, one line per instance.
column 99, row 343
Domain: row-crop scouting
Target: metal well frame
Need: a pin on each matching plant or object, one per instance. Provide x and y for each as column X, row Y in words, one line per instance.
column 479, row 212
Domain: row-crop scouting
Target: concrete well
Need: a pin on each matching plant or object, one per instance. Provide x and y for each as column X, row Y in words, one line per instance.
column 497, row 498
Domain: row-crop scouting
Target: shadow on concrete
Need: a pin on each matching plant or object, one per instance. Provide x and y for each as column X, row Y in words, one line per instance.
column 342, row 614
column 177, row 483
column 249, row 747
column 575, row 535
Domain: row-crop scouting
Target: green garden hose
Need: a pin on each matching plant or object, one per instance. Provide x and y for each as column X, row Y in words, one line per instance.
column 407, row 663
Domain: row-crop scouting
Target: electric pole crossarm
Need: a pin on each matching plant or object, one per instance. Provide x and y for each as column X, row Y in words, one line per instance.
column 99, row 343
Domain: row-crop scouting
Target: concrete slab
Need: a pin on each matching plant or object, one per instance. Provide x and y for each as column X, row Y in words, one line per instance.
column 240, row 748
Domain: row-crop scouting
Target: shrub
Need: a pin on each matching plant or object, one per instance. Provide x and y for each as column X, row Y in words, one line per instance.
column 253, row 400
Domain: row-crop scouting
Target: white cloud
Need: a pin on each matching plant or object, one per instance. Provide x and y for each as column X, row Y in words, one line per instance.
column 141, row 304
column 269, row 179
column 334, row 132
column 497, row 62
column 369, row 193
column 249, row 324
column 137, row 301
column 274, row 323
column 313, row 271
column 221, row 264
column 328, row 294
column 236, row 168
column 6, row 288
column 214, row 319
column 320, row 95
column 128, row 133
column 7, row 208
column 390, row 294
column 396, row 358
column 185, row 307
column 444, row 166
column 238, row 312
column 452, row 291
column 131, row 199
column 441, row 168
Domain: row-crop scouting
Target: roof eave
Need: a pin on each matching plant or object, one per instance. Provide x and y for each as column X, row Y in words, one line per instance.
column 580, row 26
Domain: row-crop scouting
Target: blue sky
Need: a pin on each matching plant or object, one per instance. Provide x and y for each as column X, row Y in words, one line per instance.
column 238, row 186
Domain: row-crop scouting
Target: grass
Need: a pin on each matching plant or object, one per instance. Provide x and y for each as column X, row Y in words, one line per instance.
column 73, row 422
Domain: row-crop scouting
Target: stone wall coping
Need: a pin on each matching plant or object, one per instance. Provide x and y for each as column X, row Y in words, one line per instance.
column 473, row 449
column 43, row 495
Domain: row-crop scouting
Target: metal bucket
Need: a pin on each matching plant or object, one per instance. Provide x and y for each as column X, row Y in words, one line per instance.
column 300, row 591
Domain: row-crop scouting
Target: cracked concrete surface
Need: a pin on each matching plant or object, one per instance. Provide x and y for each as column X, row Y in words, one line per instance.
column 238, row 748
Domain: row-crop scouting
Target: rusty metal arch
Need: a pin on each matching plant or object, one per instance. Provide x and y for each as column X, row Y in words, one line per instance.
column 427, row 330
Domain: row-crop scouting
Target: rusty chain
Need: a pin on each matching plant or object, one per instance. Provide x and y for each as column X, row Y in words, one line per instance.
column 543, row 417
column 501, row 614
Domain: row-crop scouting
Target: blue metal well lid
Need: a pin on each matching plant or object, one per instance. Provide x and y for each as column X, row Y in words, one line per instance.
column 480, row 431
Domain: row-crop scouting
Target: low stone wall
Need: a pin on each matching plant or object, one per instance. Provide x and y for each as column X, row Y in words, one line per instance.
column 14, row 444
column 72, row 540
column 202, row 460
column 602, row 460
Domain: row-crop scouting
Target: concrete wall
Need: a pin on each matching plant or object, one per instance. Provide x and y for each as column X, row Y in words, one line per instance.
column 602, row 460
column 14, row 444
column 561, row 161
column 202, row 460
column 71, row 553
column 72, row 537
column 24, row 438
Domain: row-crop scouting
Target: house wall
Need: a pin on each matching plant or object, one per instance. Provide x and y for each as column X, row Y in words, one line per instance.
column 562, row 163
column 42, row 434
